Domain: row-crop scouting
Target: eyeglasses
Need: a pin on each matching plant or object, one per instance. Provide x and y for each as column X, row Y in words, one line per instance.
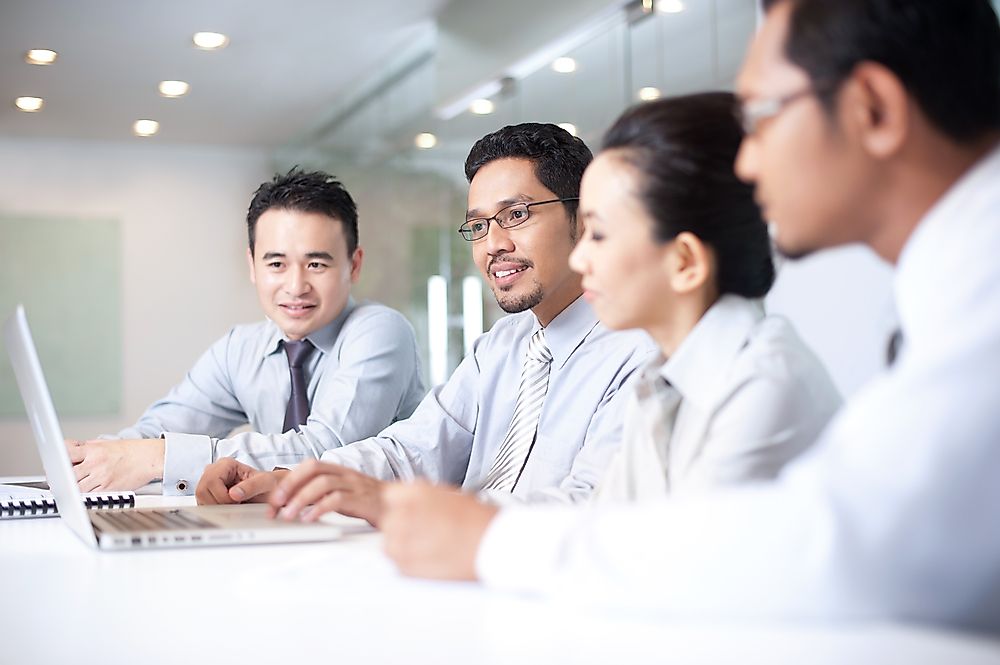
column 508, row 218
column 752, row 112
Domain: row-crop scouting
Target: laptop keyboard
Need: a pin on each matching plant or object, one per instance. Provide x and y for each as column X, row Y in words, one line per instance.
column 155, row 520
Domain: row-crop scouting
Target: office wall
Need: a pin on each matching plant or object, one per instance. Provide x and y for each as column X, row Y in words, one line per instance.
column 840, row 301
column 183, row 272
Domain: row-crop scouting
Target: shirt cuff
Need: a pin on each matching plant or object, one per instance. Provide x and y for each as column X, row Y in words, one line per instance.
column 503, row 562
column 184, row 460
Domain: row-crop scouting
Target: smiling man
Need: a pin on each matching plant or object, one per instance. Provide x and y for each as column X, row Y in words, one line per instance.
column 534, row 412
column 867, row 121
column 322, row 371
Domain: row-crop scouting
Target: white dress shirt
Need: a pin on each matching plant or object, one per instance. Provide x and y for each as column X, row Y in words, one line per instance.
column 455, row 432
column 740, row 397
column 892, row 514
column 363, row 375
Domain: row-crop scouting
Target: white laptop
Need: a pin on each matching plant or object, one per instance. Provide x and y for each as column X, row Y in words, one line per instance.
column 139, row 527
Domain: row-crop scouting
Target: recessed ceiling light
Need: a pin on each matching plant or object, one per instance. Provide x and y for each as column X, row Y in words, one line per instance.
column 145, row 127
column 210, row 41
column 481, row 107
column 425, row 140
column 670, row 6
column 29, row 104
column 40, row 56
column 174, row 88
column 564, row 65
column 649, row 93
column 569, row 127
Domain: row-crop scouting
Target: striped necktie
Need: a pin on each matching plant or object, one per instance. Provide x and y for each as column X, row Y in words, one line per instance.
column 520, row 437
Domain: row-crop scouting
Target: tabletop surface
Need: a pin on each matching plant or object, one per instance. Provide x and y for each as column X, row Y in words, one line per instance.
column 344, row 601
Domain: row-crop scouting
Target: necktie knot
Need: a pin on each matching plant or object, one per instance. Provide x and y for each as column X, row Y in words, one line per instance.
column 298, row 352
column 538, row 350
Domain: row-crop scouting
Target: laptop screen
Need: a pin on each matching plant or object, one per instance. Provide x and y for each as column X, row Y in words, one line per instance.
column 45, row 425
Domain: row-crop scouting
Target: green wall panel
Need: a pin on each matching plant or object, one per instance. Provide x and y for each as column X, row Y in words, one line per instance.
column 67, row 273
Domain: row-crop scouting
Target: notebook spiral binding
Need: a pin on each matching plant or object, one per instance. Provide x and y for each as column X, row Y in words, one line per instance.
column 46, row 506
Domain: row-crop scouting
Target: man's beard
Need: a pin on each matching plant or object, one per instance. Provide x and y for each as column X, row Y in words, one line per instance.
column 515, row 304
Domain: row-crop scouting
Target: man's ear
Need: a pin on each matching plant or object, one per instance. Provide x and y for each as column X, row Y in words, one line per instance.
column 250, row 265
column 877, row 105
column 689, row 263
column 356, row 260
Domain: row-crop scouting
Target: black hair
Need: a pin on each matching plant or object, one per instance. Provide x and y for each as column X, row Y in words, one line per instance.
column 946, row 53
column 312, row 191
column 559, row 157
column 684, row 149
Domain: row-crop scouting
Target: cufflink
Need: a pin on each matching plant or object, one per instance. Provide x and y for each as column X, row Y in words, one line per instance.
column 181, row 485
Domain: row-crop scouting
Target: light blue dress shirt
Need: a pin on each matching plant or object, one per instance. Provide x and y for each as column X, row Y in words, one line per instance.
column 363, row 375
column 454, row 434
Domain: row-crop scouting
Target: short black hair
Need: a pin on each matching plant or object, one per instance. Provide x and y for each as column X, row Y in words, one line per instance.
column 313, row 191
column 559, row 157
column 684, row 149
column 946, row 53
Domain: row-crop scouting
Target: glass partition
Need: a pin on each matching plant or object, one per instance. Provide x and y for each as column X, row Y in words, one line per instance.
column 403, row 162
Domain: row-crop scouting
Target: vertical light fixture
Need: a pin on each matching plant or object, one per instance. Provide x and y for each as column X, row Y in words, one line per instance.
column 472, row 311
column 437, row 327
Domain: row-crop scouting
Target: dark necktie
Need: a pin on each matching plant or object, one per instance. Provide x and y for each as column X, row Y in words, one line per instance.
column 298, row 402
column 893, row 347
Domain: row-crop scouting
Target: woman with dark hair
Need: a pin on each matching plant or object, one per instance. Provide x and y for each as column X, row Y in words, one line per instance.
column 675, row 244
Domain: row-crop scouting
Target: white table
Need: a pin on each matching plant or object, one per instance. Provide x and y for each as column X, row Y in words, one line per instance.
column 344, row 602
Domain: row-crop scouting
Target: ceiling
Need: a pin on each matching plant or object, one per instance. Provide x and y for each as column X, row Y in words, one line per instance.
column 286, row 65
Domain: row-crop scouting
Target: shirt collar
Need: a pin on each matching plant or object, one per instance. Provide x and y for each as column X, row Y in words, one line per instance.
column 323, row 339
column 568, row 330
column 700, row 365
column 916, row 278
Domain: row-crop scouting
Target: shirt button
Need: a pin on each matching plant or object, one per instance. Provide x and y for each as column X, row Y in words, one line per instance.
column 181, row 485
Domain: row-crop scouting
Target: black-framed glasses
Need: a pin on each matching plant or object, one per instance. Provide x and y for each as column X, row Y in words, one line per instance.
column 512, row 216
column 751, row 113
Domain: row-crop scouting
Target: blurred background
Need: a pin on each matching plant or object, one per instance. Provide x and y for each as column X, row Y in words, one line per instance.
column 126, row 240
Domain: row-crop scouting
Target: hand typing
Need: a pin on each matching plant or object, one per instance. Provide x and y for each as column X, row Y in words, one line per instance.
column 315, row 487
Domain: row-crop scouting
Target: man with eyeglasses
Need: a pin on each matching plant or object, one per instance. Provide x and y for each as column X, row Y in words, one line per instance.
column 873, row 122
column 535, row 411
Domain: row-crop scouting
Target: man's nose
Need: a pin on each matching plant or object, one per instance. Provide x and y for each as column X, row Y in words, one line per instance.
column 498, row 240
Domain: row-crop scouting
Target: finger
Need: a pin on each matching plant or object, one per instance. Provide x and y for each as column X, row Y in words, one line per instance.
column 334, row 502
column 310, row 493
column 298, row 477
column 77, row 452
column 81, row 471
column 213, row 491
column 88, row 483
column 255, row 486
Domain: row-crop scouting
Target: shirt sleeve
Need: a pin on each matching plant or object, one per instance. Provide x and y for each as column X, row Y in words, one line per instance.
column 434, row 443
column 377, row 371
column 203, row 402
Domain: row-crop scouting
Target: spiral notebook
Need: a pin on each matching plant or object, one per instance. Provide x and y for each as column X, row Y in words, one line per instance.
column 31, row 498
